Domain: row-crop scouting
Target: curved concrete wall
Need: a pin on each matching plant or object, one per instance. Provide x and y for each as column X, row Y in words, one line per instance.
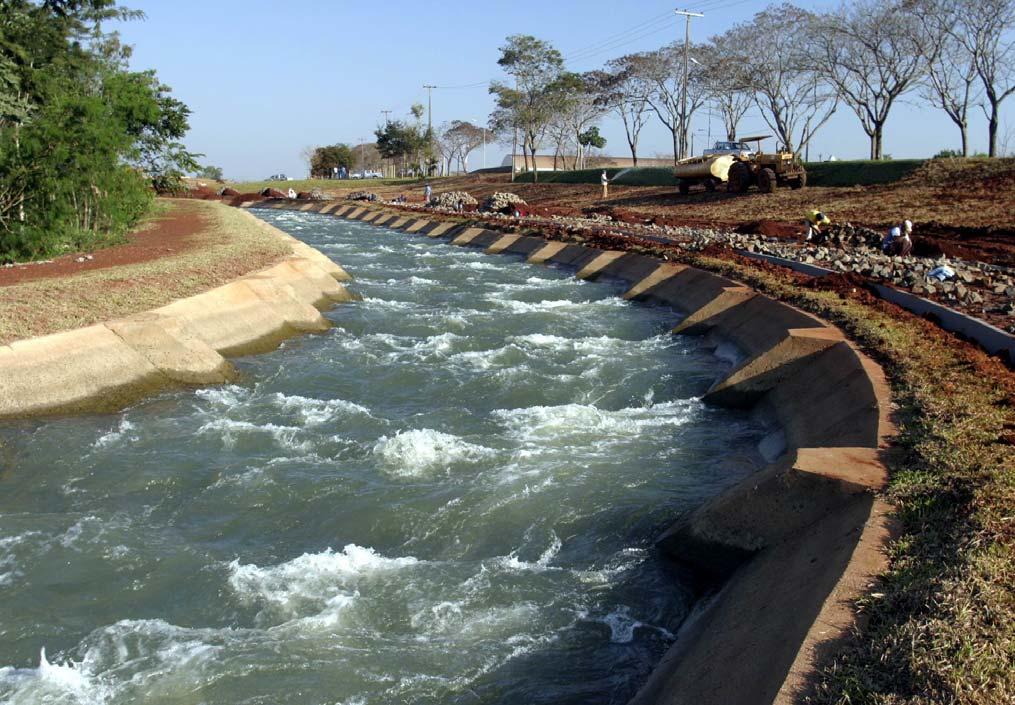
column 103, row 367
column 779, row 557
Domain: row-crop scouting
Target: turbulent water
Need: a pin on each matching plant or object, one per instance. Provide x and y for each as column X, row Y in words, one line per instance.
column 450, row 497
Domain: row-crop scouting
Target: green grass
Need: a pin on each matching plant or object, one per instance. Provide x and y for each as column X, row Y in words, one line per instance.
column 642, row 176
column 851, row 173
column 323, row 184
column 860, row 172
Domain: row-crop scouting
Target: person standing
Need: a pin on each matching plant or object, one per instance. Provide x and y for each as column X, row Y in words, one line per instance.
column 605, row 181
column 427, row 193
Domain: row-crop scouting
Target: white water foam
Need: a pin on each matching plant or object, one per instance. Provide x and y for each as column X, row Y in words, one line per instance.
column 315, row 412
column 540, row 423
column 230, row 429
column 120, row 433
column 416, row 452
column 555, row 305
column 318, row 586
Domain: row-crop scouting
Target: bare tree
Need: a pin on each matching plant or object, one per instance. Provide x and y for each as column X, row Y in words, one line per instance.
column 986, row 33
column 621, row 90
column 776, row 66
column 558, row 133
column 951, row 67
column 872, row 52
column 577, row 108
column 663, row 74
column 460, row 138
column 724, row 76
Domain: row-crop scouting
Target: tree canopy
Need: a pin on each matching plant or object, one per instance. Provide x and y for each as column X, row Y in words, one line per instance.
column 82, row 138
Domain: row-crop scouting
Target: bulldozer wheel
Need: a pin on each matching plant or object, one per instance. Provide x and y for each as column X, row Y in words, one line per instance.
column 801, row 182
column 739, row 178
column 766, row 181
column 683, row 187
column 710, row 185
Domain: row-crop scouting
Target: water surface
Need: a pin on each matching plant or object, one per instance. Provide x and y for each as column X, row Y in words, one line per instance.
column 450, row 497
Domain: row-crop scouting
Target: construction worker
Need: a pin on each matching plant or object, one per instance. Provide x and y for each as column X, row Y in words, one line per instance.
column 898, row 241
column 605, row 181
column 813, row 221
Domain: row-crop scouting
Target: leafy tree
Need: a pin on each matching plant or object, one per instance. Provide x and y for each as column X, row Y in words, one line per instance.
column 82, row 139
column 211, row 172
column 592, row 138
column 324, row 160
column 401, row 141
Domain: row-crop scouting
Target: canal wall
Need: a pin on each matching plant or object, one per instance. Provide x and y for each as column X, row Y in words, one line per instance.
column 106, row 366
column 779, row 558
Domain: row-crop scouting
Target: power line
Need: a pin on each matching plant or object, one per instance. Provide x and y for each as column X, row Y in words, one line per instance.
column 619, row 36
column 651, row 26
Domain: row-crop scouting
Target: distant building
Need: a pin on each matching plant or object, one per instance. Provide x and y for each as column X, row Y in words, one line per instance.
column 546, row 162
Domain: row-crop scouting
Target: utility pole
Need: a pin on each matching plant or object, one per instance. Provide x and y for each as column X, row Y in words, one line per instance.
column 387, row 121
column 683, row 93
column 429, row 120
column 514, row 139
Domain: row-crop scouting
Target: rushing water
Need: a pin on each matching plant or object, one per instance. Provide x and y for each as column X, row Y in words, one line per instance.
column 448, row 498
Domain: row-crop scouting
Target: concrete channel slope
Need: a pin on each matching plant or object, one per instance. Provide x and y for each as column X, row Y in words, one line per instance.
column 106, row 366
column 779, row 557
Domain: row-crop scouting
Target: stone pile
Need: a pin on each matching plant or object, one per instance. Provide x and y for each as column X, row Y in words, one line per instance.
column 452, row 200
column 974, row 283
column 502, row 202
column 362, row 196
column 846, row 236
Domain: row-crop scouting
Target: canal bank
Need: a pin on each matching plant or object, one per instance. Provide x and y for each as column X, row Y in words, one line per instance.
column 103, row 367
column 783, row 555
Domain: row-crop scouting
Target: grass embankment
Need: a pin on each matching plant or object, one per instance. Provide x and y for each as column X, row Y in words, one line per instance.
column 940, row 626
column 852, row 173
column 227, row 246
column 322, row 184
column 862, row 172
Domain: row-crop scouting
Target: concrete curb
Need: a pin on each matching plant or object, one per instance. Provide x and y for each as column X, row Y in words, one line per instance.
column 792, row 545
column 107, row 366
column 991, row 338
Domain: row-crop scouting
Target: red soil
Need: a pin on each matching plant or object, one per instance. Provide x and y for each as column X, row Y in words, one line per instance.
column 166, row 236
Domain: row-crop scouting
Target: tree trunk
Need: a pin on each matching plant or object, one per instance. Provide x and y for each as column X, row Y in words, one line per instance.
column 17, row 150
column 634, row 152
column 964, row 129
column 676, row 147
column 876, row 138
column 992, row 126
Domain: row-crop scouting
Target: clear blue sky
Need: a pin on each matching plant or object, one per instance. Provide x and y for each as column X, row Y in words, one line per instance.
column 267, row 79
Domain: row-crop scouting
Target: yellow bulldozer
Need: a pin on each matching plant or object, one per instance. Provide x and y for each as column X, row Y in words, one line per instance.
column 767, row 171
